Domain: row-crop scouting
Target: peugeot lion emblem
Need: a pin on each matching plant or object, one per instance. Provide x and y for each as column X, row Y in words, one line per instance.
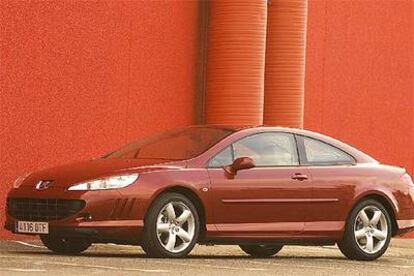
column 43, row 184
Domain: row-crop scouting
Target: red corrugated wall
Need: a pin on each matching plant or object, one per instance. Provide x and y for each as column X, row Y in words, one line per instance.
column 285, row 63
column 360, row 76
column 80, row 78
column 235, row 62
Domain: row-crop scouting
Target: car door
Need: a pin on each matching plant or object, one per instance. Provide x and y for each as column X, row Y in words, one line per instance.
column 265, row 201
column 333, row 180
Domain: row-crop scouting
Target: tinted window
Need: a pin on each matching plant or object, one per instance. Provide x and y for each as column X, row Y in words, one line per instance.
column 318, row 152
column 268, row 149
column 223, row 158
column 177, row 144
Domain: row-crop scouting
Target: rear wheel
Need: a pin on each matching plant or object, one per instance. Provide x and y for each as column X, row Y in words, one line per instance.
column 261, row 250
column 367, row 232
column 171, row 227
column 62, row 245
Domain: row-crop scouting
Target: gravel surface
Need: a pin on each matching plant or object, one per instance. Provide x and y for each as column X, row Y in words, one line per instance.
column 23, row 258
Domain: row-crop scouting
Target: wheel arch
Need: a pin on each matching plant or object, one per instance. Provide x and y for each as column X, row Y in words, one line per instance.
column 385, row 201
column 191, row 195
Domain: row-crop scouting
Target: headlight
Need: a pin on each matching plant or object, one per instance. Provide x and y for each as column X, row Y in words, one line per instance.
column 113, row 182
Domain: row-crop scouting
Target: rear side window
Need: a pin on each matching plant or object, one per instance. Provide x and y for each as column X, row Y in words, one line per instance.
column 320, row 153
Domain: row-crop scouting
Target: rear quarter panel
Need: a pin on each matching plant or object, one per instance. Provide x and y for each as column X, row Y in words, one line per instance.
column 339, row 188
column 388, row 184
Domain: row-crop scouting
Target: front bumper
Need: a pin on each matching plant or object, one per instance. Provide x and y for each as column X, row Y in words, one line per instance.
column 108, row 216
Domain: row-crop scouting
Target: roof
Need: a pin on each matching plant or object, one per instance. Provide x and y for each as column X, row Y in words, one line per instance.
column 242, row 127
column 225, row 126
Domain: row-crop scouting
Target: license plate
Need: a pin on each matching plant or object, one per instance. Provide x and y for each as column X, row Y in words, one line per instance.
column 32, row 227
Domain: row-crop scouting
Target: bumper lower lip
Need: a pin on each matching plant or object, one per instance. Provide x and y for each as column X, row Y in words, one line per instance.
column 97, row 231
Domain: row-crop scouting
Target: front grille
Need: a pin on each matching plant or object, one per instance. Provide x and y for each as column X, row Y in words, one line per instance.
column 42, row 209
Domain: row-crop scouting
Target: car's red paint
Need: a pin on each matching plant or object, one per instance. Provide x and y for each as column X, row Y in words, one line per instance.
column 292, row 203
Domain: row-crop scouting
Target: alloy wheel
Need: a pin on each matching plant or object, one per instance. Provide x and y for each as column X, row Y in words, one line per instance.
column 175, row 226
column 371, row 229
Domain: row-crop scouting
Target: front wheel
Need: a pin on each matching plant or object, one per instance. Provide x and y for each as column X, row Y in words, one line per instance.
column 367, row 231
column 261, row 250
column 62, row 245
column 171, row 227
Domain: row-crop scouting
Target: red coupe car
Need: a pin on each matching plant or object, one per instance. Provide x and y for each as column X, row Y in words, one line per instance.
column 258, row 187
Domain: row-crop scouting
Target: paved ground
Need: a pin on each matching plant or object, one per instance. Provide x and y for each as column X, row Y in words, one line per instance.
column 17, row 258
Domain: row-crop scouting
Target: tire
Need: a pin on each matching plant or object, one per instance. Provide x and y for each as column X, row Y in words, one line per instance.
column 62, row 245
column 262, row 251
column 166, row 234
column 361, row 240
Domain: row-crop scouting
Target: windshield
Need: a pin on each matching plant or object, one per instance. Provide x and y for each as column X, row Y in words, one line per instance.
column 177, row 144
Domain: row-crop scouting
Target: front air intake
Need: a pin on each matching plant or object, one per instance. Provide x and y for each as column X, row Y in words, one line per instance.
column 47, row 209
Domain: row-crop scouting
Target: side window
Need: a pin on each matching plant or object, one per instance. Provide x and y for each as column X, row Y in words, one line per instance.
column 268, row 149
column 318, row 152
column 223, row 158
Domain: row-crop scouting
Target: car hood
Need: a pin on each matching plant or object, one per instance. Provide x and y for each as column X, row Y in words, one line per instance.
column 97, row 168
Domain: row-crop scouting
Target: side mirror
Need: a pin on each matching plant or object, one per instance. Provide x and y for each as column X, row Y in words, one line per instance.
column 241, row 163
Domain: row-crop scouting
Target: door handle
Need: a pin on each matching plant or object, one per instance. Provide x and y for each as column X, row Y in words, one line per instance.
column 299, row 177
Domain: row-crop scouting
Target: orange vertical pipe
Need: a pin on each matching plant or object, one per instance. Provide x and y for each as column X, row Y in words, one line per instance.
column 285, row 63
column 235, row 62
